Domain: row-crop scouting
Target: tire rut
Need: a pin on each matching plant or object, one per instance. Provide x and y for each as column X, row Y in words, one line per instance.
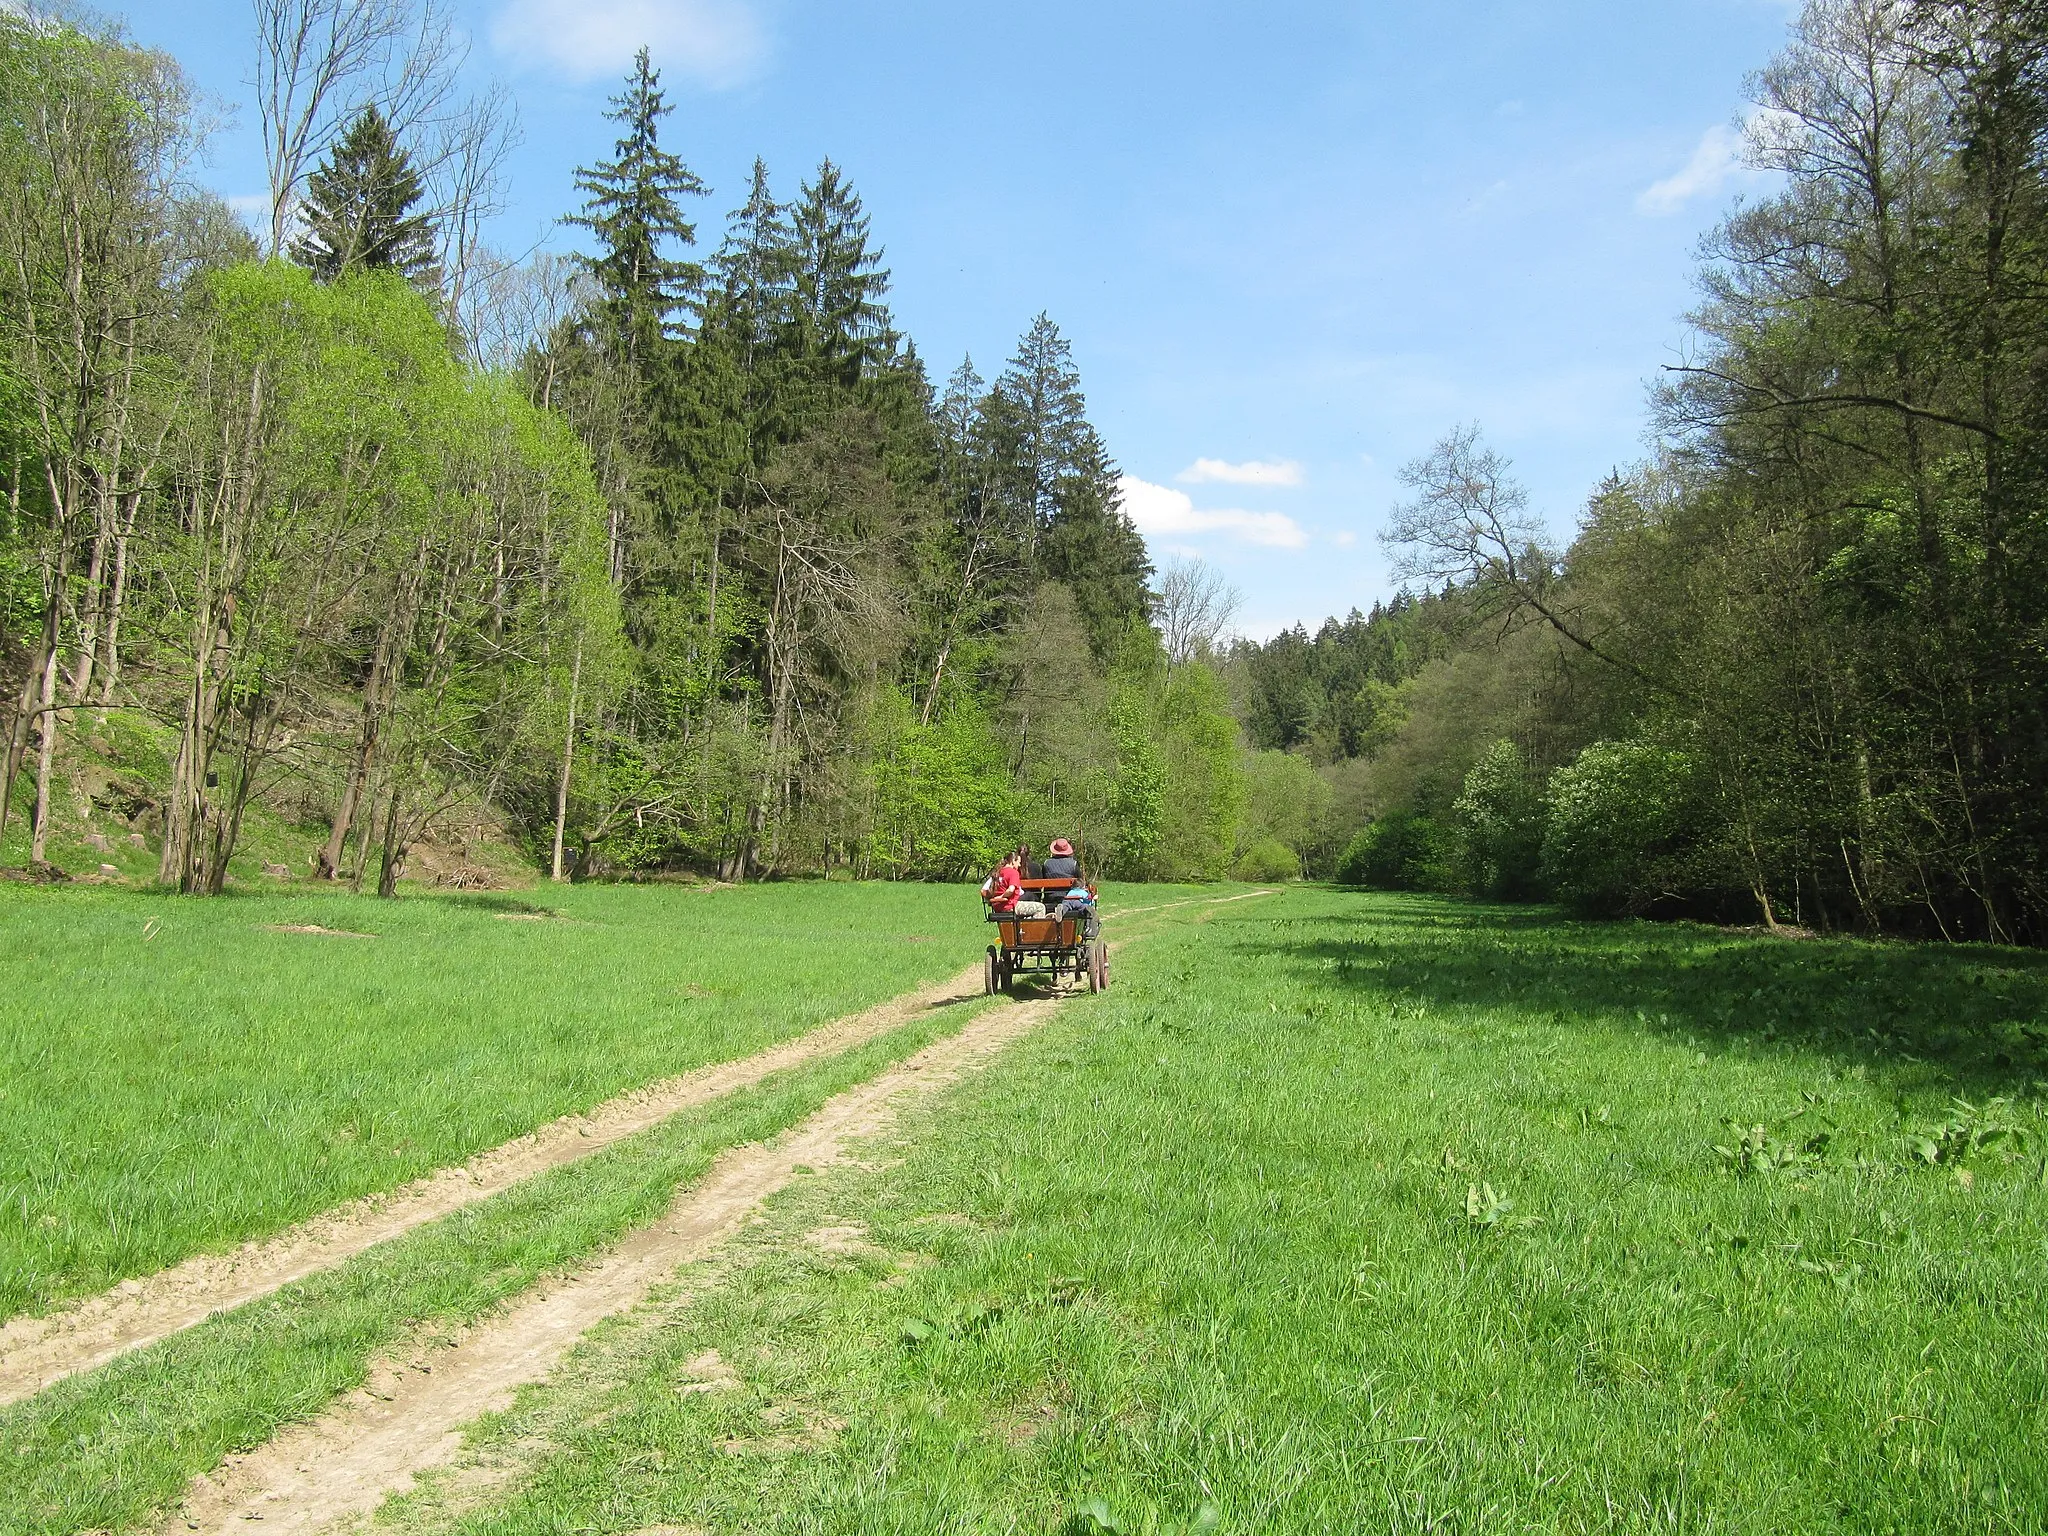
column 342, row 1465
column 38, row 1352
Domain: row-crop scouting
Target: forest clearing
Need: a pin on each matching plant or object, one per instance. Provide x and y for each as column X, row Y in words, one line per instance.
column 1338, row 1211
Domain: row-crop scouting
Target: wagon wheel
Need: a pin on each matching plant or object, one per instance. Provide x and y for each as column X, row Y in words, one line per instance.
column 1098, row 980
column 991, row 973
column 1004, row 971
column 1092, row 964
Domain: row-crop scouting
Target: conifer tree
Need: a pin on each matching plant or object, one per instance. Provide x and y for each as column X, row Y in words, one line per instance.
column 755, row 270
column 359, row 209
column 633, row 205
column 840, row 281
column 1039, row 411
column 1060, row 479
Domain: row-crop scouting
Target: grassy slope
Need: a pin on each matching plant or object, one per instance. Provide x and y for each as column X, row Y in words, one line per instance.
column 1206, row 1240
column 174, row 1076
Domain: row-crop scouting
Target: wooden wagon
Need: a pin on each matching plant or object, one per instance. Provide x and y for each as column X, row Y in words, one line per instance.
column 1059, row 947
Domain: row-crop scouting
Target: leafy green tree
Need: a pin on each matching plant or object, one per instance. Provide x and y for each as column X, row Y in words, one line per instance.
column 1401, row 851
column 1501, row 816
column 1286, row 802
column 945, row 804
column 1268, row 860
column 360, row 208
column 1619, row 821
column 1138, row 804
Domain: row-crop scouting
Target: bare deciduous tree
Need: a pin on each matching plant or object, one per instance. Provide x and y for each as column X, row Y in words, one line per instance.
column 1195, row 605
column 1470, row 522
column 313, row 58
column 319, row 62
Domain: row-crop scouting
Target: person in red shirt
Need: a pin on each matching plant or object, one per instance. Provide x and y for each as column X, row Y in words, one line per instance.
column 1003, row 889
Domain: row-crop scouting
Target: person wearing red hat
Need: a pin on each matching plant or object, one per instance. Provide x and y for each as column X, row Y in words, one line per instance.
column 1060, row 863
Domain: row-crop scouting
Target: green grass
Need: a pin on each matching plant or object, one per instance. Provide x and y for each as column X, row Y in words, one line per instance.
column 1370, row 1213
column 175, row 1077
column 112, row 1449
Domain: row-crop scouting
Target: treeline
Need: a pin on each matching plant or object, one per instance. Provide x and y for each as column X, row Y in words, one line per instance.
column 668, row 556
column 1792, row 670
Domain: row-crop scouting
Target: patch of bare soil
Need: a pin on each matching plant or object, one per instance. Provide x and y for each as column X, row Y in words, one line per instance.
column 340, row 1466
column 315, row 928
column 38, row 1351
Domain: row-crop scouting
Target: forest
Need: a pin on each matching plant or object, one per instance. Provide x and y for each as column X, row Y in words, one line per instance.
column 665, row 557
column 1790, row 670
column 674, row 556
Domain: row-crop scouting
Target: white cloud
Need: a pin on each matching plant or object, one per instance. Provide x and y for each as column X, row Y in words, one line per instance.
column 1344, row 538
column 1714, row 161
column 1251, row 472
column 1724, row 153
column 1160, row 509
column 717, row 43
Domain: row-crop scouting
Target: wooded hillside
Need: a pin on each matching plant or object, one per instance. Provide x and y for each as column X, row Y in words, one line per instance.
column 668, row 556
column 672, row 556
column 1791, row 669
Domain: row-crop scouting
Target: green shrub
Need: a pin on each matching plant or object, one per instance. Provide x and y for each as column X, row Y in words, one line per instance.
column 1401, row 851
column 1268, row 860
column 1617, row 824
column 1501, row 818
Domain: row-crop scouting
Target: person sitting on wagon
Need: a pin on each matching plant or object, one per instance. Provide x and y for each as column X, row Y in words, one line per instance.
column 1004, row 891
column 1061, row 865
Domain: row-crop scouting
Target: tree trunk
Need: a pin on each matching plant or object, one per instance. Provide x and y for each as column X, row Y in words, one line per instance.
column 46, row 756
column 110, row 644
column 367, row 737
column 25, row 714
column 392, row 865
column 568, row 757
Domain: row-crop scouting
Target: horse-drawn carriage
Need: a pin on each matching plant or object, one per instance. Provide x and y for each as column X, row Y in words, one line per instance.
column 1064, row 944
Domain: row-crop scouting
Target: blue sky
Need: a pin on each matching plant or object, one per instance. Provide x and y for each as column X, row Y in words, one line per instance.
column 1291, row 243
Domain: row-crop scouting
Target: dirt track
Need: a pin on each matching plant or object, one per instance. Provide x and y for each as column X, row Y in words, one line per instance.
column 36, row 1352
column 343, row 1464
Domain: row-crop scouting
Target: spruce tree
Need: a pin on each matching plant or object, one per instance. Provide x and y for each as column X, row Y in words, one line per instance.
column 840, row 281
column 634, row 207
column 358, row 213
column 1058, row 476
column 1039, row 410
column 755, row 269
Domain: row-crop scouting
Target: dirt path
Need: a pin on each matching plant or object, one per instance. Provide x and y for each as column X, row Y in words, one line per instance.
column 1192, row 901
column 36, row 1352
column 342, row 1465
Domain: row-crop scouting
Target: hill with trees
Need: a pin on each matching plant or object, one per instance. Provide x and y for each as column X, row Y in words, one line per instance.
column 1789, row 671
column 666, row 556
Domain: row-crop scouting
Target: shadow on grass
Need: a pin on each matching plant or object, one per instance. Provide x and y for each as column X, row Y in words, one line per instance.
column 490, row 901
column 1977, row 1013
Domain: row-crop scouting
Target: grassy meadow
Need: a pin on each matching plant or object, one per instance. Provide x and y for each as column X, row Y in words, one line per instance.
column 178, row 1075
column 1355, row 1212
column 110, row 1449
